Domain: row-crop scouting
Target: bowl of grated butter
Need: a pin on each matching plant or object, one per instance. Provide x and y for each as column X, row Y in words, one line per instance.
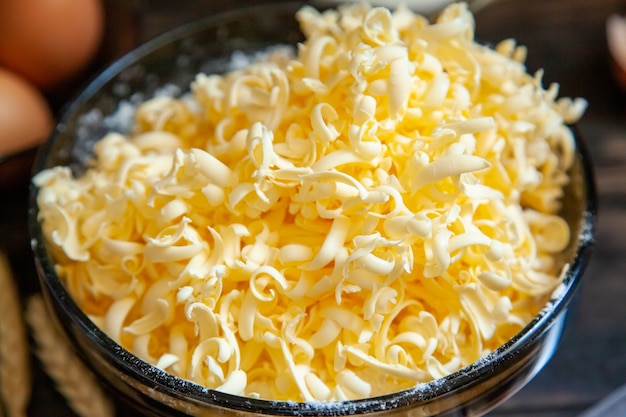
column 298, row 210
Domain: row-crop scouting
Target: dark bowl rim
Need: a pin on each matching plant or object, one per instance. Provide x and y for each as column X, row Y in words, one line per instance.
column 148, row 374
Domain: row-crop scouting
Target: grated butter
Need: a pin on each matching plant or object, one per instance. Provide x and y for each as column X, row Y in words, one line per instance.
column 377, row 211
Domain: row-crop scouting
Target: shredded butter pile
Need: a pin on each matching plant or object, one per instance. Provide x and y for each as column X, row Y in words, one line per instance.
column 375, row 212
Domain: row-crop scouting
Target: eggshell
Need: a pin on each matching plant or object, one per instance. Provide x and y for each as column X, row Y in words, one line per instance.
column 25, row 117
column 49, row 41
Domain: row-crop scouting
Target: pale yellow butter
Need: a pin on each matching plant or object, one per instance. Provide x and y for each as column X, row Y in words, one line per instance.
column 375, row 212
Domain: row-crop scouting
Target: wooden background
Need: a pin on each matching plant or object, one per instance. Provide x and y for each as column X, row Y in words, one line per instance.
column 564, row 37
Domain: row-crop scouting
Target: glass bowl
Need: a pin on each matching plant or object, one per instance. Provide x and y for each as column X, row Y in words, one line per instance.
column 170, row 62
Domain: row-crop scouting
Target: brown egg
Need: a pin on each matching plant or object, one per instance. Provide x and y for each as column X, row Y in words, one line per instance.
column 48, row 41
column 25, row 117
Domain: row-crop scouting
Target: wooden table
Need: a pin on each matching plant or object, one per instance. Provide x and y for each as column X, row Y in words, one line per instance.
column 564, row 37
